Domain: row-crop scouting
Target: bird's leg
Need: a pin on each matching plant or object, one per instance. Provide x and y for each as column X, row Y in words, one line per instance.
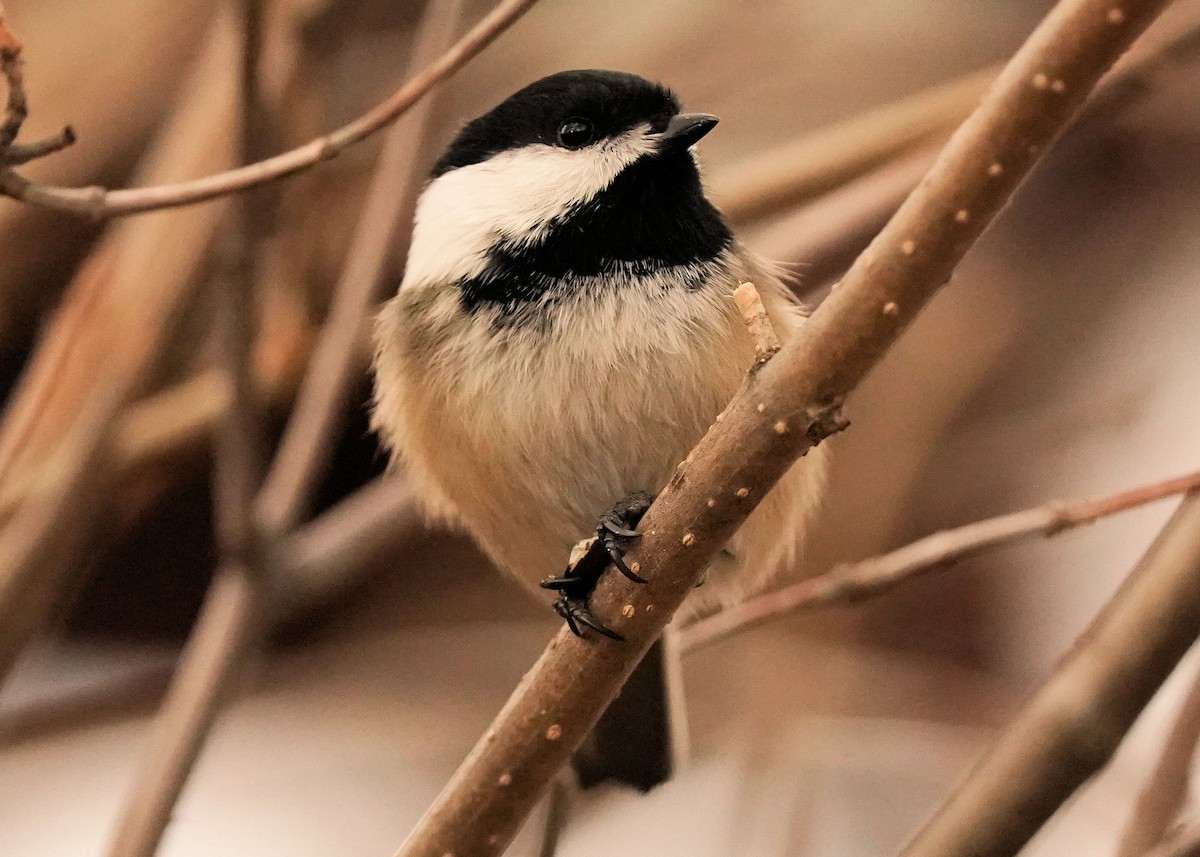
column 617, row 527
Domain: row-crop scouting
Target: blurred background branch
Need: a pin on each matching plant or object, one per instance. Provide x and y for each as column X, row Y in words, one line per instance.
column 237, row 595
column 241, row 595
column 1073, row 725
column 1160, row 805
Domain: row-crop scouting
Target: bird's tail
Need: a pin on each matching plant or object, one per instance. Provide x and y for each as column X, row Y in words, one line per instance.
column 642, row 738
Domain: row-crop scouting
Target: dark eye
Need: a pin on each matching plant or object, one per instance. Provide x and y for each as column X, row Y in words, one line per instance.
column 575, row 133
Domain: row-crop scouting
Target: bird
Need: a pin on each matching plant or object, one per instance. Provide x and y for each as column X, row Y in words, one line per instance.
column 563, row 334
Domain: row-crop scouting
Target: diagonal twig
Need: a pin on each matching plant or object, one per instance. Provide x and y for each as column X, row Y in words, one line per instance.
column 100, row 202
column 23, row 153
column 853, row 582
column 783, row 409
column 237, row 594
column 383, row 231
column 222, row 632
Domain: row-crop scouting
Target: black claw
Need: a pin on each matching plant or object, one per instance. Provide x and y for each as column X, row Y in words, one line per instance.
column 585, row 616
column 619, row 524
column 559, row 583
column 617, row 554
column 575, row 585
column 561, row 608
column 617, row 530
column 575, row 610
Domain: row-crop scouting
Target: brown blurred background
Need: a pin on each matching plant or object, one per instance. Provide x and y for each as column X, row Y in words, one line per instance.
column 1060, row 362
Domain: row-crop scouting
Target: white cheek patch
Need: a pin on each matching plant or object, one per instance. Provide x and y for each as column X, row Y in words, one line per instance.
column 509, row 197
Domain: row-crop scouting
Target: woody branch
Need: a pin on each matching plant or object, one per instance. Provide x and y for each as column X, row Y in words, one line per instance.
column 783, row 409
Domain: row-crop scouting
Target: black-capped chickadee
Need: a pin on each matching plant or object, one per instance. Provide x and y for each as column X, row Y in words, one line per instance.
column 564, row 334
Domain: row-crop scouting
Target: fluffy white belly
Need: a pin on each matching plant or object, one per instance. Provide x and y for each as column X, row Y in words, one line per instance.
column 526, row 434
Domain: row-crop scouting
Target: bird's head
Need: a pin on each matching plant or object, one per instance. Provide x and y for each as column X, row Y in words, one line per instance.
column 579, row 174
column 582, row 122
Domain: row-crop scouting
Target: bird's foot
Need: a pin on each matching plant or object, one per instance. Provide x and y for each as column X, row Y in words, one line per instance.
column 616, row 529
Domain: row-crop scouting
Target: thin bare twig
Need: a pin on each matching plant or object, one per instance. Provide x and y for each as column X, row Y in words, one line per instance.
column 383, row 230
column 100, row 202
column 784, row 408
column 853, row 582
column 221, row 635
column 136, row 693
column 23, row 153
column 236, row 597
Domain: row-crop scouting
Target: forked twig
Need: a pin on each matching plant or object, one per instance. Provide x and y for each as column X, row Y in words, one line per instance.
column 16, row 108
column 101, row 202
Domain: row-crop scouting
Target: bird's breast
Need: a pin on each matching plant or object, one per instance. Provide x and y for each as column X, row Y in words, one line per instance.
column 530, row 431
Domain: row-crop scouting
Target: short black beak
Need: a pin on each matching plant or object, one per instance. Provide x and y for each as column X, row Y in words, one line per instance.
column 684, row 130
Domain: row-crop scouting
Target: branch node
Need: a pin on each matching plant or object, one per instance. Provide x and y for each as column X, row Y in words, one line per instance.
column 754, row 314
column 326, row 151
column 824, row 419
column 95, row 202
column 1062, row 519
